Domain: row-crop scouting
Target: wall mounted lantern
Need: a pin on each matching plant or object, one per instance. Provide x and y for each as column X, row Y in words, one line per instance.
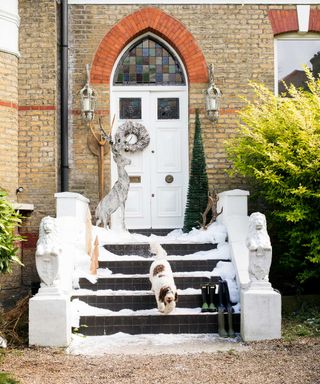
column 213, row 96
column 88, row 99
column 96, row 140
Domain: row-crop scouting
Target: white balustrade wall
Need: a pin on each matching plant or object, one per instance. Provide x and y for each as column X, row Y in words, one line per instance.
column 260, row 303
column 50, row 309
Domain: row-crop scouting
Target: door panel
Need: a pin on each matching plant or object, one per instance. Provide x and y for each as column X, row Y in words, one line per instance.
column 168, row 202
column 169, row 178
column 138, row 202
column 159, row 173
column 168, row 150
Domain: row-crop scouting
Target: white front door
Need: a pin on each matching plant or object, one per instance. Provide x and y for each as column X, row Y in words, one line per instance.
column 158, row 174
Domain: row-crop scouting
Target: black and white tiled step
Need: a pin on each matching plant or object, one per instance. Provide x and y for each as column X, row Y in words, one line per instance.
column 123, row 301
column 151, row 231
column 156, row 323
column 134, row 300
column 143, row 249
column 141, row 266
column 141, row 282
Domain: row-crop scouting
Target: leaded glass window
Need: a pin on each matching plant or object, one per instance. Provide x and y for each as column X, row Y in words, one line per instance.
column 168, row 108
column 130, row 108
column 148, row 62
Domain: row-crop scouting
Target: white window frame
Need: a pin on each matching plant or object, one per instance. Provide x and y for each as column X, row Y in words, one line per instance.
column 289, row 36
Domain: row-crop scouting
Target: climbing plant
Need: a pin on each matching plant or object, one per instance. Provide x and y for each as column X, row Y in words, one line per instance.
column 197, row 198
column 9, row 221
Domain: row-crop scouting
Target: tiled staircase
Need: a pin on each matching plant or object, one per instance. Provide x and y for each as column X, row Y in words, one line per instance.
column 126, row 304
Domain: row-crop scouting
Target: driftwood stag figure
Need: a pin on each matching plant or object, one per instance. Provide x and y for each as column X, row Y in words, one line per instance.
column 117, row 197
column 211, row 206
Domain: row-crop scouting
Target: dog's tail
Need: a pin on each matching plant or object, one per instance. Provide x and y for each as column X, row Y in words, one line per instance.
column 156, row 249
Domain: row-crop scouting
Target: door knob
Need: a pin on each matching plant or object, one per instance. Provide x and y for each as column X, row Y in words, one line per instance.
column 169, row 179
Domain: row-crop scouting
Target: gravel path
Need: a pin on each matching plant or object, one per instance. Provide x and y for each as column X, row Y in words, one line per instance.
column 273, row 362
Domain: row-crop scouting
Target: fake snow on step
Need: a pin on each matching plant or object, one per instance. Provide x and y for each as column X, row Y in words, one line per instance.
column 223, row 269
column 222, row 252
column 154, row 344
column 126, row 292
column 215, row 233
column 80, row 308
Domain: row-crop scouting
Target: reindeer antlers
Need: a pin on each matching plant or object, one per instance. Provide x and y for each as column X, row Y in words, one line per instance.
column 212, row 205
column 104, row 134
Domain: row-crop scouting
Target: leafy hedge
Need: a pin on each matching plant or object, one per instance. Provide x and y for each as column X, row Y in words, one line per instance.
column 9, row 221
column 278, row 150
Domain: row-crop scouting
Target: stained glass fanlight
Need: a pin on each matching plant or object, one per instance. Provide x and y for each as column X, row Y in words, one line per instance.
column 148, row 62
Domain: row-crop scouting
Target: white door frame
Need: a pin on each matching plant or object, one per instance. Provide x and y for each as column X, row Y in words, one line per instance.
column 166, row 90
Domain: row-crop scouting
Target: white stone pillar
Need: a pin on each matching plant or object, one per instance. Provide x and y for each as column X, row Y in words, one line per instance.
column 71, row 204
column 49, row 319
column 260, row 312
column 235, row 217
column 50, row 310
column 234, row 202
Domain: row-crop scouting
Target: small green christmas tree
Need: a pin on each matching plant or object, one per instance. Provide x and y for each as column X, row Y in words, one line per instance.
column 197, row 197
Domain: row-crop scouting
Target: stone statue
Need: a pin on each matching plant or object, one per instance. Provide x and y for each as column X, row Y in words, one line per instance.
column 48, row 252
column 260, row 250
column 117, row 197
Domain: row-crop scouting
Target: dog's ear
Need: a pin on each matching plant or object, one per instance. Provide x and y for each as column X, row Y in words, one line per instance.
column 176, row 297
column 162, row 293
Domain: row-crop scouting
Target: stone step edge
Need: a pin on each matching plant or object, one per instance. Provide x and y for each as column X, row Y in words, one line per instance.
column 175, row 258
column 207, row 274
column 81, row 309
column 117, row 314
column 129, row 293
column 161, row 242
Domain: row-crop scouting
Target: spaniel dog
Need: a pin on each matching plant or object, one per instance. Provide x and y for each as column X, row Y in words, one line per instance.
column 162, row 281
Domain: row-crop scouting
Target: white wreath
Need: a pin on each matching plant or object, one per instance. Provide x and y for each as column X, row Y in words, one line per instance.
column 136, row 129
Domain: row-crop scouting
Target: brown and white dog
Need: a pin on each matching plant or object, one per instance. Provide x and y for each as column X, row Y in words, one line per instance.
column 162, row 281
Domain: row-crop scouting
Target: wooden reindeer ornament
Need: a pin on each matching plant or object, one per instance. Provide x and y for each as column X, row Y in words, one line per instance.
column 211, row 206
column 97, row 143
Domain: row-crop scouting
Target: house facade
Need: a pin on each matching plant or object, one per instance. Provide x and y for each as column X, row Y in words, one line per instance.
column 148, row 63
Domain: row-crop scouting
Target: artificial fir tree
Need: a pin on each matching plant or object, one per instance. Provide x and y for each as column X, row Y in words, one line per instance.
column 197, row 198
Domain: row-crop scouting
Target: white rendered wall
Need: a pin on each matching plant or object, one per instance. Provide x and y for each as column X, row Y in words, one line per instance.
column 9, row 26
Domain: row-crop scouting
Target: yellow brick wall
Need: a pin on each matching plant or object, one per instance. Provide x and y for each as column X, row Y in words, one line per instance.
column 38, row 123
column 9, row 150
column 9, row 123
column 237, row 39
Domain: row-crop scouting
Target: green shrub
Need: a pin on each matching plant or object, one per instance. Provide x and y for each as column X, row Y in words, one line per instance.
column 6, row 379
column 9, row 221
column 278, row 150
column 305, row 321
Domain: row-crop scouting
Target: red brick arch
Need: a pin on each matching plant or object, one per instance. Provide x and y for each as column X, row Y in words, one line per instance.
column 285, row 21
column 154, row 20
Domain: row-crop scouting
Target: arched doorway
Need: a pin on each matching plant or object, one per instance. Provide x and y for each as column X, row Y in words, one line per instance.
column 148, row 85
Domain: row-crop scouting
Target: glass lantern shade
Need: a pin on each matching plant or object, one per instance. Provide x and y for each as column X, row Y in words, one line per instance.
column 88, row 102
column 213, row 96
